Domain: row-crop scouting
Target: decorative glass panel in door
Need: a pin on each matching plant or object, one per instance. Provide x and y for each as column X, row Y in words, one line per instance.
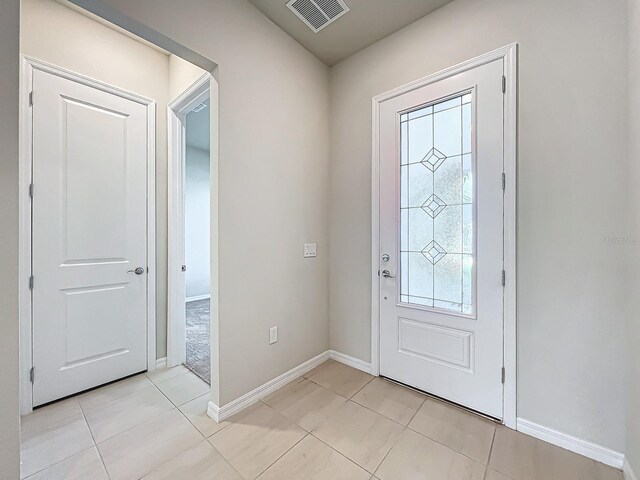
column 436, row 206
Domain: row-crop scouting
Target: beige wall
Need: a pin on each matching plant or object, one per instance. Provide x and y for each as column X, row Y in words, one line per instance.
column 182, row 75
column 632, row 249
column 572, row 146
column 66, row 38
column 9, row 59
column 273, row 183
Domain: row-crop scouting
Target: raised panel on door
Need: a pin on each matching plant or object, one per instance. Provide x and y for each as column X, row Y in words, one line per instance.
column 89, row 234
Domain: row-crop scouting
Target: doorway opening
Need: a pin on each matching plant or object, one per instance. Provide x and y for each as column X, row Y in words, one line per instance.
column 189, row 229
column 196, row 239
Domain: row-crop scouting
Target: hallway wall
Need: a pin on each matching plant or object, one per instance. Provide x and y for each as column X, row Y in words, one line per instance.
column 9, row 95
column 273, row 191
column 632, row 248
column 572, row 146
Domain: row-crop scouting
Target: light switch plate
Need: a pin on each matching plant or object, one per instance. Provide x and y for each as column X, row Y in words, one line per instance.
column 273, row 335
column 310, row 250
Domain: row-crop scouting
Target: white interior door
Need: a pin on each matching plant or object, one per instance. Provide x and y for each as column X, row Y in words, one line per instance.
column 441, row 238
column 89, row 237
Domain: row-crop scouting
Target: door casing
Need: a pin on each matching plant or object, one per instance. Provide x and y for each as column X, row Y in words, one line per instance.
column 509, row 55
column 30, row 64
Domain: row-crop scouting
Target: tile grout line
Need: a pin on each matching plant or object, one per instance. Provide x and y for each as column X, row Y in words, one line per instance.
column 387, row 454
column 95, row 444
column 493, row 439
column 222, row 456
column 177, row 408
column 84, row 417
column 358, row 391
column 414, row 415
column 171, row 378
column 181, row 453
column 140, row 424
column 449, row 448
column 343, row 455
column 288, row 450
column 59, row 462
column 204, row 437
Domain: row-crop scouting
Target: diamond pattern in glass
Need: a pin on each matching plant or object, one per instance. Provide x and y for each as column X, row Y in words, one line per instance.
column 433, row 206
column 434, row 252
column 433, row 159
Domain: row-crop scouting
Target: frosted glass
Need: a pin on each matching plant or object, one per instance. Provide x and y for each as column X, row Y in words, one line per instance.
column 447, row 131
column 448, row 279
column 447, row 229
column 420, row 278
column 419, row 228
column 420, row 138
column 437, row 267
column 420, row 185
column 449, row 176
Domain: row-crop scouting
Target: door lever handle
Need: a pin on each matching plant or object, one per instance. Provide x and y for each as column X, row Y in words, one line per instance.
column 387, row 274
column 137, row 271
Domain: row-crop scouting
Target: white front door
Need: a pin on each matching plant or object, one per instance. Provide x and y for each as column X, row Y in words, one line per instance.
column 89, row 237
column 441, row 238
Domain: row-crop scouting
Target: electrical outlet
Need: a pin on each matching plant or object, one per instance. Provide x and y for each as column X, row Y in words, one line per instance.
column 310, row 250
column 273, row 335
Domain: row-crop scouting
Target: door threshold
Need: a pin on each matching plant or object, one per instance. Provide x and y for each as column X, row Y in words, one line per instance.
column 444, row 400
column 82, row 392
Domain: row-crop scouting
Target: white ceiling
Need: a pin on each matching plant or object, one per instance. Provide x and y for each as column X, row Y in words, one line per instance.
column 367, row 22
column 198, row 130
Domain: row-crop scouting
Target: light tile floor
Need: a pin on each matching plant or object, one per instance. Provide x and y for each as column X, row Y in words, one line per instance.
column 334, row 423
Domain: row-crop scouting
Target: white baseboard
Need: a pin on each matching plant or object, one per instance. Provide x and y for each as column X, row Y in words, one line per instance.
column 569, row 442
column 628, row 471
column 220, row 414
column 197, row 297
column 351, row 361
column 213, row 411
column 161, row 362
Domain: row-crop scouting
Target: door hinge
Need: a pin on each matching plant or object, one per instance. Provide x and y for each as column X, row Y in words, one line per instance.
column 32, row 374
column 503, row 374
column 31, row 99
column 504, row 181
column 30, row 282
column 504, row 278
column 31, row 190
column 504, row 84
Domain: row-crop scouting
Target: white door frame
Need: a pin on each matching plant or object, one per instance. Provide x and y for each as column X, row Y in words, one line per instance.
column 509, row 55
column 204, row 87
column 24, row 205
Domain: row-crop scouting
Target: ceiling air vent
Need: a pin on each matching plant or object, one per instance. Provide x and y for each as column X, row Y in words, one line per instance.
column 317, row 14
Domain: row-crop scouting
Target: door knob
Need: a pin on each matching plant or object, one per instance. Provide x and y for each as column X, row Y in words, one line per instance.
column 137, row 271
column 387, row 274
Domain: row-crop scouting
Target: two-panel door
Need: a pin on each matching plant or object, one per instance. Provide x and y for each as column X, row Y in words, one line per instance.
column 89, row 246
column 441, row 238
